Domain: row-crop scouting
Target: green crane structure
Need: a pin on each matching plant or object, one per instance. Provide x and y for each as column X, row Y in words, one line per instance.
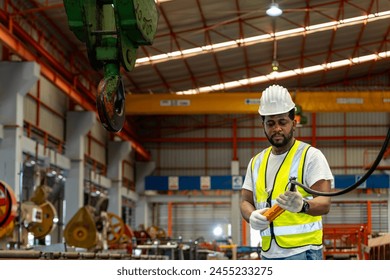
column 112, row 30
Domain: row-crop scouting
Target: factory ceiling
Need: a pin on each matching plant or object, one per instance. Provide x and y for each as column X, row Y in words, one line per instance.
column 231, row 45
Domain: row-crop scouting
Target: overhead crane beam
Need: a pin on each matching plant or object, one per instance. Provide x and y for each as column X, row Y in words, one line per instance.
column 248, row 103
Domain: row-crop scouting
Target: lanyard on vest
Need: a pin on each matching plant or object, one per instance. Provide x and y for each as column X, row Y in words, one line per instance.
column 291, row 166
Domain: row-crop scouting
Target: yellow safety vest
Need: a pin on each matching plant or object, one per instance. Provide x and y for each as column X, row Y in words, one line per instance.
column 290, row 230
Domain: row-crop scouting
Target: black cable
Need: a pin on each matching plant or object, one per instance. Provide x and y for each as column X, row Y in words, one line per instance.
column 356, row 184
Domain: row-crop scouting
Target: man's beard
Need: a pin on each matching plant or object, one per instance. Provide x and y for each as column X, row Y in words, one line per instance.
column 285, row 141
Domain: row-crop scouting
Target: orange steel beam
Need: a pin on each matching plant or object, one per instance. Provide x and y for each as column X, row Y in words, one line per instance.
column 22, row 36
column 248, row 102
column 12, row 43
column 369, row 214
column 26, row 37
column 125, row 135
column 254, row 139
column 40, row 9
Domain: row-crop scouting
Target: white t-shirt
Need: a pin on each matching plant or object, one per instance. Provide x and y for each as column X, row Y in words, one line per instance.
column 316, row 168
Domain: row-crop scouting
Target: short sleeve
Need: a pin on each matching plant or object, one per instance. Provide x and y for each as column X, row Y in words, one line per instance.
column 317, row 168
column 248, row 184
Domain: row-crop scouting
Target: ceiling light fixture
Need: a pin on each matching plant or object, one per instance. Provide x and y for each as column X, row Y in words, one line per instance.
column 288, row 74
column 274, row 10
column 275, row 66
column 249, row 41
column 275, row 63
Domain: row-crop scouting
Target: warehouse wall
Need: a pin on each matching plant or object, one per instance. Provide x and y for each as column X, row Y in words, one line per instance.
column 45, row 107
column 356, row 213
column 95, row 146
column 205, row 146
column 195, row 221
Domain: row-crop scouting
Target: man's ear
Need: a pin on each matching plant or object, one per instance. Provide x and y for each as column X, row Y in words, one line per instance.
column 294, row 124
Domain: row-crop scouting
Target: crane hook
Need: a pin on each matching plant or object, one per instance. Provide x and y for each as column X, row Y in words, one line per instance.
column 110, row 102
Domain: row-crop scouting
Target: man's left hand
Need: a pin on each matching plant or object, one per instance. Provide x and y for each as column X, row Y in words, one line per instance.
column 290, row 201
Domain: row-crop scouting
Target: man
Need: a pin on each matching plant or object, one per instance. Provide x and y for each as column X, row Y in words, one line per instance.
column 297, row 232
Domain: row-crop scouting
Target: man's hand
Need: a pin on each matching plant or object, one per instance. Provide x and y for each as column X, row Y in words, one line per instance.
column 258, row 221
column 290, row 201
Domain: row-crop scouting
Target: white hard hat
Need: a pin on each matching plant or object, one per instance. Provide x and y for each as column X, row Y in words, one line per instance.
column 275, row 100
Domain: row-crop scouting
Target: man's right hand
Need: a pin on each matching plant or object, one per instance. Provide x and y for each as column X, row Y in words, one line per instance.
column 258, row 221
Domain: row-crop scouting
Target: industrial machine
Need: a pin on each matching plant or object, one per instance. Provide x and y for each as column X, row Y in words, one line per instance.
column 346, row 241
column 49, row 213
column 156, row 232
column 36, row 215
column 93, row 228
column 81, row 230
column 112, row 31
column 8, row 209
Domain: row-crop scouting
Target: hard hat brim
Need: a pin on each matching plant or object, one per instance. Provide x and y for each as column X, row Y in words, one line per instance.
column 275, row 113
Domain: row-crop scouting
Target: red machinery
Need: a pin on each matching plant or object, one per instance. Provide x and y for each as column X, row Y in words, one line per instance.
column 346, row 241
column 8, row 209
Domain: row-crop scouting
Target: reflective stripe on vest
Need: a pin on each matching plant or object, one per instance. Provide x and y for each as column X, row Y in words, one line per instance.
column 289, row 229
column 296, row 229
